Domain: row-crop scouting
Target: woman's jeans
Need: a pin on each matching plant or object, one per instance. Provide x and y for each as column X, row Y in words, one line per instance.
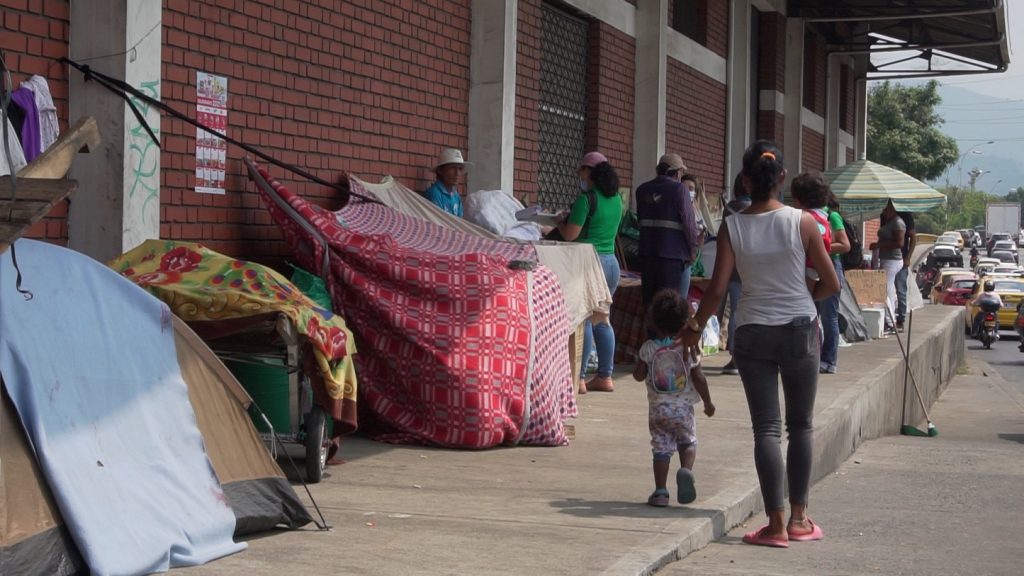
column 762, row 355
column 892, row 268
column 602, row 334
column 828, row 309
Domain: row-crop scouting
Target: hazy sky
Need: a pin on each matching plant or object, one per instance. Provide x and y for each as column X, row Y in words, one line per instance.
column 988, row 107
column 1009, row 84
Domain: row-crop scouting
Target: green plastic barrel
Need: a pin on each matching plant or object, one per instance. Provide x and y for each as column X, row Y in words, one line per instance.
column 267, row 383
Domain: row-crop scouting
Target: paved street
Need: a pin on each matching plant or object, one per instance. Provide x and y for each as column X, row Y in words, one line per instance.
column 948, row 505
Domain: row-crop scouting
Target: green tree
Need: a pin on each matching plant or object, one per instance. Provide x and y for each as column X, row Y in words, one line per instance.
column 903, row 130
column 965, row 208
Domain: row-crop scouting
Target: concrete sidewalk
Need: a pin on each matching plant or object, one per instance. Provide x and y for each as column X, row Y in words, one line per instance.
column 938, row 506
column 581, row 509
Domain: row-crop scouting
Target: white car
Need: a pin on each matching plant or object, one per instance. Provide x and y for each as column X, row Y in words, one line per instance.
column 1010, row 269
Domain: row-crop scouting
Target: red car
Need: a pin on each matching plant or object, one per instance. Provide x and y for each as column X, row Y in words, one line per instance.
column 959, row 291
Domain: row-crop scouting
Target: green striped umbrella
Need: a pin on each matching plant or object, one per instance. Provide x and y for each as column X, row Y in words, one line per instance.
column 865, row 186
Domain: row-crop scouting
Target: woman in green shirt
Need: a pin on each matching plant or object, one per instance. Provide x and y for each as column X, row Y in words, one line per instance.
column 597, row 225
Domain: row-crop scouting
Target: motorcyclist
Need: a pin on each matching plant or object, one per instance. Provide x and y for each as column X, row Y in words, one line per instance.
column 974, row 256
column 987, row 302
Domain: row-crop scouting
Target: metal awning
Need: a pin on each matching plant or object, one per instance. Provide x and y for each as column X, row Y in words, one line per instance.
column 911, row 38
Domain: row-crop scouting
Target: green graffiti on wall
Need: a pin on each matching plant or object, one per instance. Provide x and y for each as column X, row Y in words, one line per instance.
column 143, row 152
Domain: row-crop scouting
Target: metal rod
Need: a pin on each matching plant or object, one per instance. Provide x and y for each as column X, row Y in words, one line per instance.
column 903, row 47
column 908, row 16
column 906, row 370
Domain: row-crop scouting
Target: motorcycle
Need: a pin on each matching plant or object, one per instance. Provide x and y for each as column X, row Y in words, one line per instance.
column 989, row 330
column 974, row 261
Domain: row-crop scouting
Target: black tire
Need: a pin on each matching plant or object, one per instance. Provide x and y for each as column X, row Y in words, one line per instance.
column 317, row 444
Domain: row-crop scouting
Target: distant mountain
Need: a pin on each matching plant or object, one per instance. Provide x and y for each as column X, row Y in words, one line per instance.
column 974, row 119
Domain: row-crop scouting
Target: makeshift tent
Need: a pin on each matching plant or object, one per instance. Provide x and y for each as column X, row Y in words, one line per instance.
column 463, row 339
column 125, row 443
column 575, row 264
column 215, row 294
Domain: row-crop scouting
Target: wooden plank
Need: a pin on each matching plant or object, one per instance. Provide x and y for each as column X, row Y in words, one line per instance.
column 54, row 163
column 33, row 200
column 868, row 286
column 36, row 189
column 20, row 211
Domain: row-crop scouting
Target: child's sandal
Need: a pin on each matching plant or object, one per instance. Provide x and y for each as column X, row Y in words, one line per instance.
column 659, row 498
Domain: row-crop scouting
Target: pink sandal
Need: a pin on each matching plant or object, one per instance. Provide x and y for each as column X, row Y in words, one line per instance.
column 816, row 533
column 758, row 538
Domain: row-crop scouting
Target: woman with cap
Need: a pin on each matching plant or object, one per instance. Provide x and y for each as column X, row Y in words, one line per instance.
column 444, row 192
column 597, row 224
column 776, row 335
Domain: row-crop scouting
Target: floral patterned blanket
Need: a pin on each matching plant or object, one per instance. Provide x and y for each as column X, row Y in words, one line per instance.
column 198, row 284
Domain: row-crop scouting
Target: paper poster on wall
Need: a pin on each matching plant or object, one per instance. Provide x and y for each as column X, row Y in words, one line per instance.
column 211, row 151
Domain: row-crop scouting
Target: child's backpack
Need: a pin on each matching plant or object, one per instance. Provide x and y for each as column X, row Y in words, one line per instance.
column 669, row 374
column 853, row 259
column 824, row 228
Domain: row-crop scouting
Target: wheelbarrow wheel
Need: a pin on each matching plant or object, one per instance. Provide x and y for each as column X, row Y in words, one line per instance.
column 317, row 444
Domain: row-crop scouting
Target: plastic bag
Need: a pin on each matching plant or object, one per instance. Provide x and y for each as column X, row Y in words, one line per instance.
column 492, row 209
column 312, row 286
column 711, row 339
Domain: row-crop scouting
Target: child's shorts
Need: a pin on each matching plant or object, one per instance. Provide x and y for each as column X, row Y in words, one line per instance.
column 672, row 425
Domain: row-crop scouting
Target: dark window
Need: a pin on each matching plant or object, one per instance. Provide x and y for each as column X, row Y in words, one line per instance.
column 810, row 68
column 563, row 105
column 685, row 16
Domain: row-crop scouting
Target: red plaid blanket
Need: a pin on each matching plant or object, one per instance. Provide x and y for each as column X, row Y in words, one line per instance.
column 455, row 348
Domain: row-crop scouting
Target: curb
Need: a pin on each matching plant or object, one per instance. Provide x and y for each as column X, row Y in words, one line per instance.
column 870, row 408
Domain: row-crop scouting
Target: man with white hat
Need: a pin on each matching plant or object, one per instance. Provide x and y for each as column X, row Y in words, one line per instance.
column 444, row 192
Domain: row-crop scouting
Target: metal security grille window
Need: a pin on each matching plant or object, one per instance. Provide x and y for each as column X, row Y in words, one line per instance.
column 563, row 106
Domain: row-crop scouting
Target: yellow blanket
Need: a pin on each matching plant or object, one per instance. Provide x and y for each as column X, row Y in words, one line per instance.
column 199, row 284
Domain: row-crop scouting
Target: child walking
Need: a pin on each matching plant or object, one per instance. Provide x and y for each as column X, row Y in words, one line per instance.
column 674, row 385
column 810, row 193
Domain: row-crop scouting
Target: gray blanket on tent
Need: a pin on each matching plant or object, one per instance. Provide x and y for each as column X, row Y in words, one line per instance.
column 851, row 321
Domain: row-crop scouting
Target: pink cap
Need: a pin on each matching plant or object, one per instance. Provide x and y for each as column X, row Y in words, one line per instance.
column 591, row 159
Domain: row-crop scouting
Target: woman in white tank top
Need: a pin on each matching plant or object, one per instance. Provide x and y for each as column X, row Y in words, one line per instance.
column 776, row 335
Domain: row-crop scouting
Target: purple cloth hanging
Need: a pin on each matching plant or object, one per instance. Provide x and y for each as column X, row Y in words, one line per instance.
column 31, row 140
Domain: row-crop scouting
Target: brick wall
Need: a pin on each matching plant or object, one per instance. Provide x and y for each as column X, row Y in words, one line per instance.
column 870, row 231
column 771, row 126
column 373, row 87
column 717, row 27
column 850, row 96
column 813, row 150
column 711, row 28
column 820, row 76
column 527, row 130
column 695, row 117
column 34, row 34
column 610, row 96
column 771, row 52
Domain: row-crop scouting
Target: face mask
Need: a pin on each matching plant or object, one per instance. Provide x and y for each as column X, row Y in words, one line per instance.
column 693, row 196
column 583, row 185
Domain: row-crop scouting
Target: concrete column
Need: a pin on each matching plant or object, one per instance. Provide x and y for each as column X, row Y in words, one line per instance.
column 738, row 120
column 651, row 86
column 117, row 205
column 860, row 128
column 832, row 95
column 492, row 95
column 793, row 130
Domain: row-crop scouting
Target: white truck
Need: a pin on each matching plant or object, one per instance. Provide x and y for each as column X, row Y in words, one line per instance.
column 1002, row 217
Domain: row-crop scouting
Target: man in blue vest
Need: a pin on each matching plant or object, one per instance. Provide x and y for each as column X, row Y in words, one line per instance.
column 444, row 192
column 668, row 228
